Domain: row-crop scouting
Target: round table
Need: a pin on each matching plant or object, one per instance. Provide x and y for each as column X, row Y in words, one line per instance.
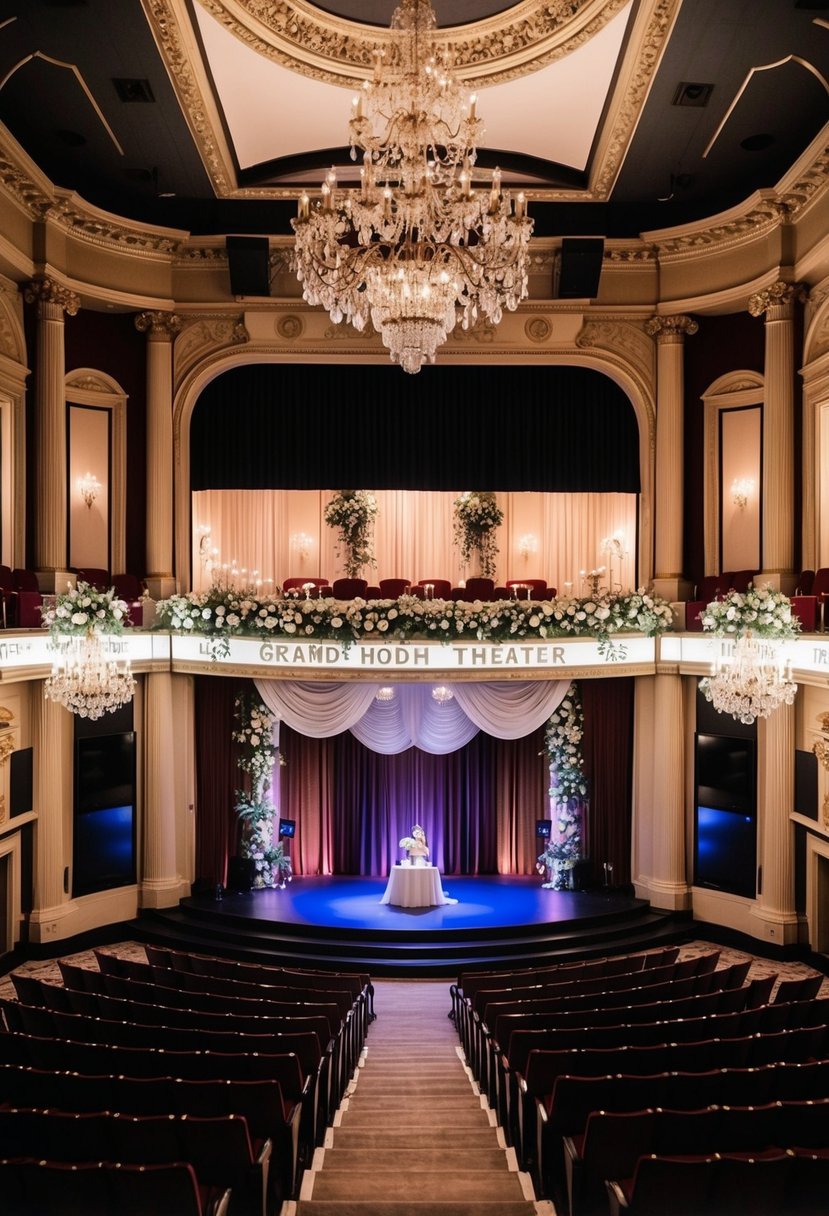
column 415, row 887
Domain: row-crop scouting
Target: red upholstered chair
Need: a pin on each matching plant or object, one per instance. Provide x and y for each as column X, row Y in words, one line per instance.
column 804, row 608
column 441, row 589
column 741, row 579
column 710, row 587
column 391, row 588
column 99, row 579
column 129, row 587
column 475, row 589
column 373, row 592
column 820, row 590
column 349, row 588
column 805, row 584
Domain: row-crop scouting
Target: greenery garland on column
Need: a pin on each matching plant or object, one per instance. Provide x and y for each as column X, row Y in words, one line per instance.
column 257, row 755
column 562, row 745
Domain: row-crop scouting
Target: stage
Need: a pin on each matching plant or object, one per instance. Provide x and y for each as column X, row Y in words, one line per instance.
column 337, row 922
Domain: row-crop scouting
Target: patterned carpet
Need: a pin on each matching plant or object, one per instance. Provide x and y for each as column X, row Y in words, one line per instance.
column 760, row 967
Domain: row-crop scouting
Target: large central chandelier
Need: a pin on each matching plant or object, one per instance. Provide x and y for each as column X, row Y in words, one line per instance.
column 416, row 247
column 750, row 680
column 86, row 680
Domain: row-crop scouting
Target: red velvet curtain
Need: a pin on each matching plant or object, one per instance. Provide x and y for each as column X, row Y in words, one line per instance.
column 478, row 805
column 216, row 778
column 608, row 763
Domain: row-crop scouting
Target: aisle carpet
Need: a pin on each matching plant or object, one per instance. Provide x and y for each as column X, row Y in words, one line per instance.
column 414, row 1136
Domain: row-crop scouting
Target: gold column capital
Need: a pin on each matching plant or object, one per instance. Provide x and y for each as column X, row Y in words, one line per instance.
column 778, row 296
column 158, row 324
column 671, row 329
column 44, row 291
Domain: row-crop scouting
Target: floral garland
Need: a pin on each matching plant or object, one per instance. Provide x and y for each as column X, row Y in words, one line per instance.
column 221, row 612
column 562, row 742
column 255, row 809
column 477, row 515
column 760, row 611
column 353, row 513
column 83, row 609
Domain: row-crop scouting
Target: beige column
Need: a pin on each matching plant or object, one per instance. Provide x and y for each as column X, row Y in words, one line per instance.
column 669, row 884
column 774, row 908
column 160, row 882
column 670, row 335
column 160, row 328
column 777, row 303
column 52, row 730
column 50, row 429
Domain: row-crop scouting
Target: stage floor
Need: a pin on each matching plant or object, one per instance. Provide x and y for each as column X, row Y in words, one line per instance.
column 484, row 903
column 338, row 922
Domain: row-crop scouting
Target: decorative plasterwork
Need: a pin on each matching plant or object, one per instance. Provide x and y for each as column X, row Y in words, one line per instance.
column 46, row 203
column 778, row 296
column 204, row 334
column 48, row 292
column 816, row 340
column 12, row 341
column 671, row 329
column 524, row 38
column 736, row 389
column 820, row 747
column 158, row 324
column 629, row 343
column 302, row 37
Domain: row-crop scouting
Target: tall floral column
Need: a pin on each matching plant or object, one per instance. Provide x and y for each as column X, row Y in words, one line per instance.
column 568, row 790
column 352, row 513
column 258, row 753
column 477, row 515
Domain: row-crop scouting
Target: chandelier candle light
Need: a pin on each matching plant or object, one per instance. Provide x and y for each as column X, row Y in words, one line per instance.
column 86, row 679
column 416, row 248
column 751, row 678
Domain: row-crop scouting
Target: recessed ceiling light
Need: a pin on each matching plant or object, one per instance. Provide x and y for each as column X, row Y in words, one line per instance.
column 690, row 93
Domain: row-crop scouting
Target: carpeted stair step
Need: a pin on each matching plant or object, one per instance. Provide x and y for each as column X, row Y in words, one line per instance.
column 369, row 1119
column 428, row 1159
column 380, row 1140
column 351, row 1207
column 453, row 1186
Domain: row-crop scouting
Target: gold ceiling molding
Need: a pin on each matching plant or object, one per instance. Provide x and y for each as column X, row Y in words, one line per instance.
column 302, row 37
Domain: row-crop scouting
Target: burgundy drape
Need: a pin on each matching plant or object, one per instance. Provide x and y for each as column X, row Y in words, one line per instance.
column 216, row 778
column 478, row 805
column 607, row 746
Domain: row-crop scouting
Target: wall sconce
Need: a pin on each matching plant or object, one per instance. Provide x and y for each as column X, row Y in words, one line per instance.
column 527, row 544
column 302, row 543
column 89, row 488
column 741, row 490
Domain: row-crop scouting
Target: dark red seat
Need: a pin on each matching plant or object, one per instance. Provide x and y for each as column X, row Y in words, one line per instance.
column 129, row 588
column 475, row 589
column 97, row 578
column 432, row 589
column 300, row 581
column 349, row 588
column 29, row 599
column 393, row 588
column 529, row 589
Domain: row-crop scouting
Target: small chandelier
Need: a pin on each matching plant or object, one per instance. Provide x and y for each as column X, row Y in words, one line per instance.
column 86, row 681
column 89, row 488
column 442, row 694
column 749, row 680
column 384, row 694
column 415, row 248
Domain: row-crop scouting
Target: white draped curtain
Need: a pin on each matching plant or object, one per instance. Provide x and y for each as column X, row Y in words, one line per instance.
column 412, row 718
column 281, row 533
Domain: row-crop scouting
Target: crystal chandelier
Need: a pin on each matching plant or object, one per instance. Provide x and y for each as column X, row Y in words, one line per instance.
column 750, row 680
column 86, row 681
column 416, row 248
column 442, row 694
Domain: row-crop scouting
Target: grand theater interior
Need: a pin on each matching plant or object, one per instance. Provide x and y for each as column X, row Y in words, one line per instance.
column 415, row 552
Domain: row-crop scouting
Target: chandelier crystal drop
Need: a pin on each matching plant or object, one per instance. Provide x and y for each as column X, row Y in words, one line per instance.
column 416, row 248
column 750, row 680
column 87, row 681
column 442, row 694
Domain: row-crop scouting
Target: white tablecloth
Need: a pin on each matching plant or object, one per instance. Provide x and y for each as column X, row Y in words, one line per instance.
column 415, row 887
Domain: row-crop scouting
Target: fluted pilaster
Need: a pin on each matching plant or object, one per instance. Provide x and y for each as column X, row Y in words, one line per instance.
column 669, row 876
column 53, row 301
column 670, row 334
column 777, row 304
column 160, row 328
column 52, row 741
column 775, row 907
column 160, row 882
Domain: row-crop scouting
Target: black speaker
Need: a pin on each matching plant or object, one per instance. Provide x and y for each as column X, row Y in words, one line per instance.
column 247, row 260
column 241, row 872
column 580, row 267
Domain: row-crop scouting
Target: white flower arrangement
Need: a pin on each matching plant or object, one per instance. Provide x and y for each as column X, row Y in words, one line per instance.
column 407, row 842
column 221, row 612
column 256, row 811
column 83, row 609
column 562, row 740
column 353, row 513
column 759, row 611
column 254, row 734
column 477, row 515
